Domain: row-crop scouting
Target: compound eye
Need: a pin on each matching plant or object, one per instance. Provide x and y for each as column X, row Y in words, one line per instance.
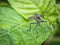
column 38, row 17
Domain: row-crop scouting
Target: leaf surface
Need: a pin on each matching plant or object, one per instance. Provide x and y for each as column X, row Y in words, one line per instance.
column 29, row 7
column 14, row 29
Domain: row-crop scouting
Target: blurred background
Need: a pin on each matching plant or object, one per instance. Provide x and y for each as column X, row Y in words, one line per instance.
column 55, row 38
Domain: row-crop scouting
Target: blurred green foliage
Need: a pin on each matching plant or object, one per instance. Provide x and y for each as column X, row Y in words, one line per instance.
column 56, row 37
column 57, row 1
column 57, row 28
column 57, row 34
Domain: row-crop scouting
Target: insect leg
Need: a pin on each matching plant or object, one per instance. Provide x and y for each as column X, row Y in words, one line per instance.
column 36, row 30
column 37, row 33
column 47, row 25
column 42, row 28
column 30, row 26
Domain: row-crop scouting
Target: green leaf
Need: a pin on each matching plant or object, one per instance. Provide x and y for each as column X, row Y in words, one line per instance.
column 29, row 7
column 14, row 29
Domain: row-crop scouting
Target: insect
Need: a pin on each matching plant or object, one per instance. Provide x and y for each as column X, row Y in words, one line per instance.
column 38, row 19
